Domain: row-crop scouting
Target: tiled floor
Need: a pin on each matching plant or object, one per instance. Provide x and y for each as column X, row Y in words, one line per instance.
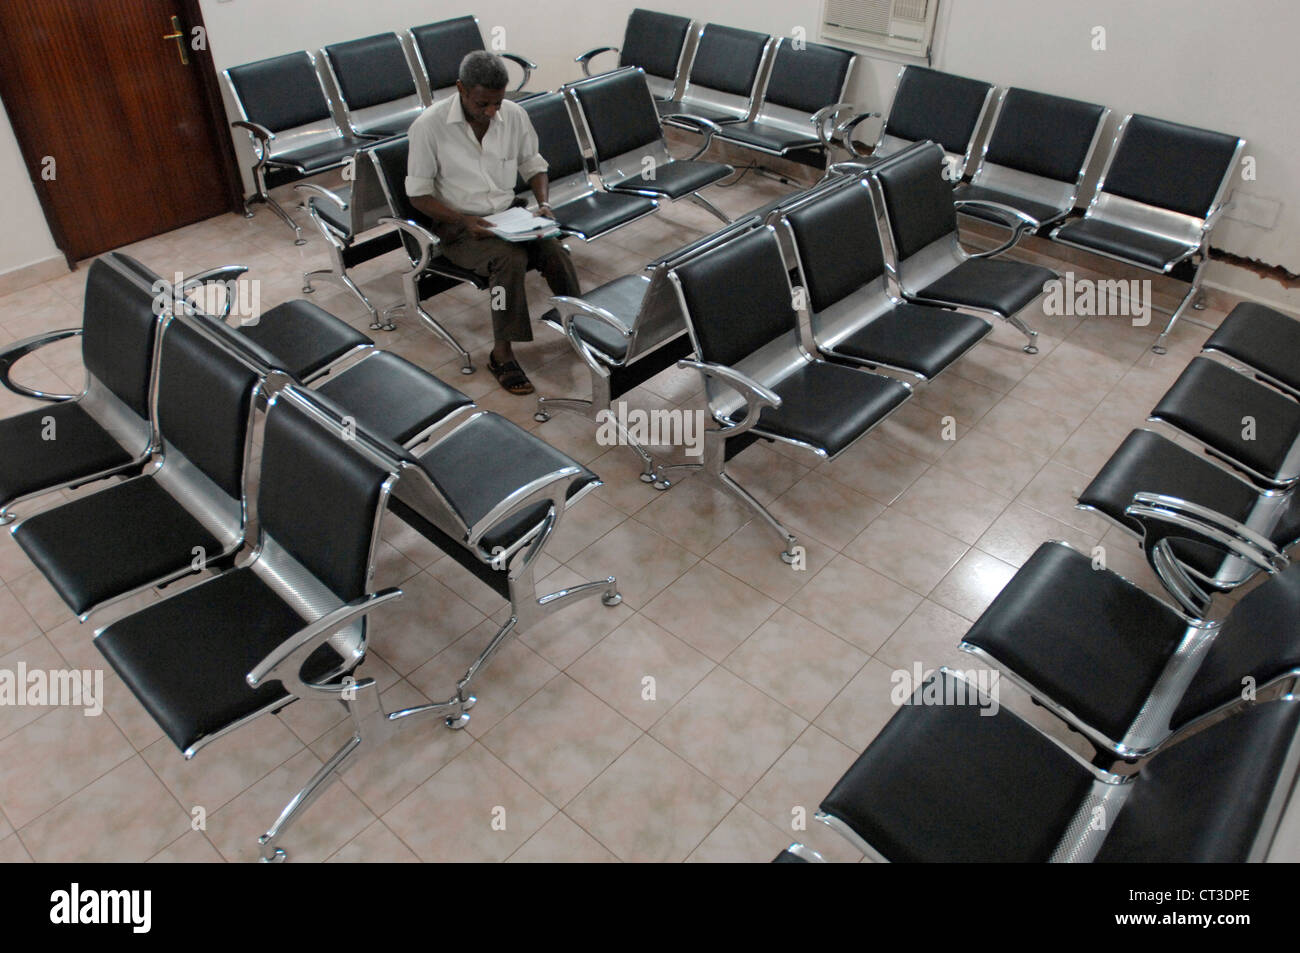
column 705, row 717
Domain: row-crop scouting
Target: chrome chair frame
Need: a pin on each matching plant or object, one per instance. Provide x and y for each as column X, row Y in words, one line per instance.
column 364, row 121
column 431, row 95
column 660, row 89
column 744, row 109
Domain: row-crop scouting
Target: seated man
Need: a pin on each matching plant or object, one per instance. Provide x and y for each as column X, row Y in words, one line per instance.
column 465, row 153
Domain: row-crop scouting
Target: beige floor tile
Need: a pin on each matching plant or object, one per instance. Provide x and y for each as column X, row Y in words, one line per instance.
column 1019, row 531
column 192, row 847
column 753, row 555
column 581, row 526
column 375, row 845
column 710, row 610
column 621, row 470
column 743, row 837
column 677, row 805
column 988, row 462
column 876, row 468
column 617, row 669
column 973, row 583
column 819, row 507
column 427, row 619
column 865, row 705
column 644, row 561
column 929, row 637
column 695, row 515
column 705, row 728
column 560, row 739
column 949, row 503
column 920, row 431
column 951, row 395
column 126, row 816
column 1055, row 491
column 12, row 851
column 799, row 664
column 765, row 473
column 856, row 603
column 1027, row 427
column 16, row 626
column 475, row 809
column 54, row 757
column 561, row 841
column 906, row 550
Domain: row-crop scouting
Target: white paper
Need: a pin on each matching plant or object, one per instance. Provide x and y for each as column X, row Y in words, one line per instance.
column 520, row 220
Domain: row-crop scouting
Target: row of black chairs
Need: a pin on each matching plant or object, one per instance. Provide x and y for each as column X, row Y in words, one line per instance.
column 773, row 95
column 1180, row 771
column 300, row 125
column 173, row 399
column 1159, row 193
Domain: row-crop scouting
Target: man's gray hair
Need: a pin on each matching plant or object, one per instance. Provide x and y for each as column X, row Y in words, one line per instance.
column 485, row 69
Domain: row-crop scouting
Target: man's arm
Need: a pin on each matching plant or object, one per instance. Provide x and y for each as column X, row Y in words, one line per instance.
column 445, row 214
column 541, row 186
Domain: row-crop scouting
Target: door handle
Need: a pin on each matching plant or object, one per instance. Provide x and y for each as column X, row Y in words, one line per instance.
column 178, row 35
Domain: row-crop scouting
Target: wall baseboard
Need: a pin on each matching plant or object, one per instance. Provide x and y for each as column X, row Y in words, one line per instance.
column 18, row 279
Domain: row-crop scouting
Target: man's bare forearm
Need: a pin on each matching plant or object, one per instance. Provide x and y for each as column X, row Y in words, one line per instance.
column 541, row 186
column 438, row 211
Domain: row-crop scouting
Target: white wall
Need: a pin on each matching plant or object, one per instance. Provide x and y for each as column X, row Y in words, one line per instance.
column 1227, row 66
column 24, row 237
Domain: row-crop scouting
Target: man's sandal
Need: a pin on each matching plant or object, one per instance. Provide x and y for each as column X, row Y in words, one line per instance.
column 511, row 376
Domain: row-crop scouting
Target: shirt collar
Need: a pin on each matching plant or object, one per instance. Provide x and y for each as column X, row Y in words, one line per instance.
column 456, row 114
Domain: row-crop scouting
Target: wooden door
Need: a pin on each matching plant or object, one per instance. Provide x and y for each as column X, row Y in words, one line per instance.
column 122, row 140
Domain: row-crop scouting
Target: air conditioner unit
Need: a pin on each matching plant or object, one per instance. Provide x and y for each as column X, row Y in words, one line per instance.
column 900, row 26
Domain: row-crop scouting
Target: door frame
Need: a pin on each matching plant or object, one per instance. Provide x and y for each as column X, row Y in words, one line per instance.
column 215, row 113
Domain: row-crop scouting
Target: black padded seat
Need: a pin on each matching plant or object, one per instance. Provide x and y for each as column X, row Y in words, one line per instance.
column 1093, row 642
column 989, row 284
column 112, row 542
column 391, row 397
column 675, row 179
column 303, row 337
column 311, row 159
column 622, row 298
column 1267, row 340
column 1147, row 462
column 767, row 137
column 1142, row 248
column 915, row 338
column 1043, row 213
column 601, row 212
column 1205, row 799
column 1210, row 401
column 830, row 406
column 340, row 219
column 191, row 701
column 669, row 107
column 455, row 465
column 29, row 463
column 951, row 783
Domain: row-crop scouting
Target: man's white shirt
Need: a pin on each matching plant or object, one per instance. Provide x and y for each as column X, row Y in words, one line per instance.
column 448, row 162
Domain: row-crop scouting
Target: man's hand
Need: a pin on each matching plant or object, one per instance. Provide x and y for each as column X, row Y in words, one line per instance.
column 545, row 211
column 477, row 227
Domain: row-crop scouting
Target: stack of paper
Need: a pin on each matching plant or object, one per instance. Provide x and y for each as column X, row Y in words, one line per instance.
column 521, row 225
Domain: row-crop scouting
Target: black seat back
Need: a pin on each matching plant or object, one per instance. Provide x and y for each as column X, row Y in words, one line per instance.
column 737, row 297
column 319, row 497
column 282, row 92
column 1043, row 135
column 918, row 200
column 204, row 403
column 371, row 71
column 1260, row 638
column 808, row 78
column 727, row 59
column 653, row 41
column 119, row 328
column 930, row 104
column 389, row 160
column 619, row 112
column 1170, row 166
column 556, row 139
column 837, row 244
column 443, row 45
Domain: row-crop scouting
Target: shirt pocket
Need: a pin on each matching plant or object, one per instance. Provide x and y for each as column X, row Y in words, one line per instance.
column 505, row 173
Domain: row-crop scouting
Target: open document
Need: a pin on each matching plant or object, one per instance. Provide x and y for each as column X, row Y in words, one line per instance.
column 521, row 225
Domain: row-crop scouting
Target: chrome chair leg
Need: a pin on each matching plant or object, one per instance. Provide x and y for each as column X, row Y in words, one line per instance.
column 271, row 854
column 709, row 207
column 346, row 281
column 1159, row 347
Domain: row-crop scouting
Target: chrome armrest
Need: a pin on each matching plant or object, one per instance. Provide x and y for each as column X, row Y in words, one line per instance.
column 285, row 661
column 322, row 192
column 423, row 237
column 569, row 308
column 261, row 137
column 584, row 59
column 845, row 130
column 756, row 395
column 707, row 127
column 1023, row 218
column 221, row 275
column 1164, row 518
column 823, row 120
column 526, row 65
column 11, row 354
column 552, row 487
column 1212, row 219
